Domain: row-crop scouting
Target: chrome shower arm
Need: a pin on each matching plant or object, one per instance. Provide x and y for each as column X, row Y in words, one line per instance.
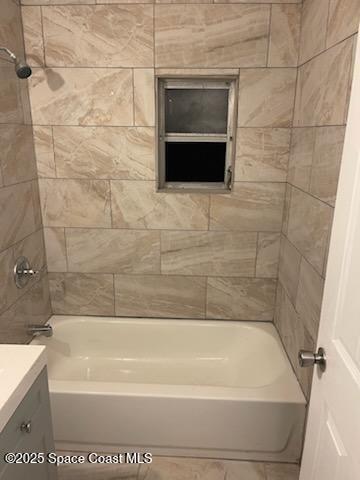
column 9, row 53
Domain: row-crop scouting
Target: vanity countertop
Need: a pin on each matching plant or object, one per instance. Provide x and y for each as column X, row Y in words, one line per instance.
column 20, row 365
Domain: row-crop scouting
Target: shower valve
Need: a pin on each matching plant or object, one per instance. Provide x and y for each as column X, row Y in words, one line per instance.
column 23, row 272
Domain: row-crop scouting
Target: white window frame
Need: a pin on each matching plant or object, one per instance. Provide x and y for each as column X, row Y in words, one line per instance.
column 165, row 82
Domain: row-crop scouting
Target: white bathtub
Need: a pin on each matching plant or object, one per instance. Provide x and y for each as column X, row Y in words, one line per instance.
column 180, row 387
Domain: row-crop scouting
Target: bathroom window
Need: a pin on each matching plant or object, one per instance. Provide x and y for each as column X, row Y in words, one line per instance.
column 196, row 133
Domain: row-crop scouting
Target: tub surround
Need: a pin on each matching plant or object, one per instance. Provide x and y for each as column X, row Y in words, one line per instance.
column 20, row 366
column 21, row 230
column 92, row 97
column 327, row 46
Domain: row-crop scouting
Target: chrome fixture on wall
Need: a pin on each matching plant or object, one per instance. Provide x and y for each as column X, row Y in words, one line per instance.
column 22, row 70
column 23, row 272
column 36, row 330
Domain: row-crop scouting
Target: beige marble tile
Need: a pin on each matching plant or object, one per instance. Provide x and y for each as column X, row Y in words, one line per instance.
column 33, row 36
column 97, row 471
column 267, row 259
column 266, row 97
column 161, row 296
column 81, row 294
column 55, row 249
column 250, row 207
column 144, row 97
column 32, row 308
column 254, row 1
column 137, row 204
column 10, row 26
column 1, row 178
column 17, row 213
column 98, row 36
column 284, row 35
column 313, row 28
column 164, row 468
column 211, row 35
column 289, row 268
column 241, row 298
column 326, row 163
column 295, row 337
column 184, row 1
column 278, row 471
column 113, row 251
column 105, row 152
column 301, row 157
column 11, row 110
column 208, row 253
column 309, row 225
column 344, row 18
column 57, row 2
column 75, row 203
column 262, row 154
column 309, row 297
column 286, row 212
column 197, row 72
column 17, row 155
column 81, row 96
column 44, row 152
column 35, row 195
column 8, row 293
column 321, row 94
column 244, row 470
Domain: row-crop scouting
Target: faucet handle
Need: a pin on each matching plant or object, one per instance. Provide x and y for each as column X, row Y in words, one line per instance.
column 23, row 272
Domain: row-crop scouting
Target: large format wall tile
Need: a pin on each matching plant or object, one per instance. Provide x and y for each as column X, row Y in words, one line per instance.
column 241, row 298
column 266, row 97
column 249, row 207
column 326, row 163
column 98, row 36
column 322, row 90
column 309, row 297
column 138, row 205
column 284, row 35
column 55, row 249
column 81, row 96
column 75, row 203
column 81, row 294
column 105, row 152
column 289, row 268
column 33, row 308
column 33, row 38
column 11, row 110
column 17, row 214
column 313, row 28
column 344, row 18
column 211, row 35
column 301, row 156
column 208, row 253
column 309, row 226
column 234, row 1
column 267, row 259
column 262, row 154
column 17, row 157
column 44, row 151
column 9, row 292
column 113, row 251
column 144, row 97
column 294, row 337
column 161, row 296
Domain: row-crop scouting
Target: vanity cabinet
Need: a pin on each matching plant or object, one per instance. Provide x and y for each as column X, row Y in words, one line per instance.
column 29, row 430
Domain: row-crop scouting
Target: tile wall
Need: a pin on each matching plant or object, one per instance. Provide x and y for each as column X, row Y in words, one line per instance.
column 327, row 47
column 20, row 216
column 114, row 245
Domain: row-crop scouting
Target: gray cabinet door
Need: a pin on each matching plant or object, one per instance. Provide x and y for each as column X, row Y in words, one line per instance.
column 35, row 411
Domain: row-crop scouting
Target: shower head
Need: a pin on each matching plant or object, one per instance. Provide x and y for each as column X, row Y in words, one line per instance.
column 22, row 70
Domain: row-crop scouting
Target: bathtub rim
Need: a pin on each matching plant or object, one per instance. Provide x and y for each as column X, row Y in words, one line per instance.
column 285, row 389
